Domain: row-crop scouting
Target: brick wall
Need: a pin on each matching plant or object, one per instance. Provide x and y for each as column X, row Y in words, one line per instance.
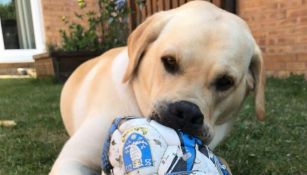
column 11, row 68
column 43, row 65
column 280, row 28
column 53, row 11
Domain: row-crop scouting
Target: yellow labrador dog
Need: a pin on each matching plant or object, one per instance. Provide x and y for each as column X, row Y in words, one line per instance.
column 188, row 68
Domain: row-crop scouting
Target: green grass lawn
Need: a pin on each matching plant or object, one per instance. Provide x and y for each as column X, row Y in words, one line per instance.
column 276, row 146
column 32, row 145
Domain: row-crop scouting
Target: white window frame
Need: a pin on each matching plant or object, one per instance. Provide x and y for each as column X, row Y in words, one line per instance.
column 26, row 55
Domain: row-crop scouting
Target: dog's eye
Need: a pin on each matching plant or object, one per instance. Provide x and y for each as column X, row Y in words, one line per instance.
column 170, row 64
column 224, row 83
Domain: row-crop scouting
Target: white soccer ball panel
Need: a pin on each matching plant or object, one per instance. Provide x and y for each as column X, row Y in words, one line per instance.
column 203, row 164
column 114, row 152
column 133, row 123
column 171, row 156
column 142, row 147
column 136, row 137
column 169, row 135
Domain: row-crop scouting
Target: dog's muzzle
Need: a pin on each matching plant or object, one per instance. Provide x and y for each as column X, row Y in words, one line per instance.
column 181, row 115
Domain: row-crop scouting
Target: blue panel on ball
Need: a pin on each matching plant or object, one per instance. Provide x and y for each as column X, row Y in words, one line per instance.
column 136, row 153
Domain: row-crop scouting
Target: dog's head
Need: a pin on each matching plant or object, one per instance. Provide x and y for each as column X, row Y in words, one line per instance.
column 192, row 67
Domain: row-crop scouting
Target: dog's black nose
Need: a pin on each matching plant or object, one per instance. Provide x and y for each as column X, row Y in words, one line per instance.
column 185, row 114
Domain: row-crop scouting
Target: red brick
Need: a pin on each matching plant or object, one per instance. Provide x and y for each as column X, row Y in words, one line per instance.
column 299, row 48
column 11, row 68
column 300, row 30
column 281, row 58
column 289, row 4
column 288, row 22
column 54, row 10
column 282, row 74
column 303, row 20
column 296, row 66
column 285, row 40
column 274, row 65
column 271, row 41
column 297, row 12
column 274, row 15
column 302, row 40
column 302, row 57
column 280, row 28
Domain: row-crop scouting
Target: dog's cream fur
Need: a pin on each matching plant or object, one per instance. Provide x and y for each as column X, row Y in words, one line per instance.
column 206, row 41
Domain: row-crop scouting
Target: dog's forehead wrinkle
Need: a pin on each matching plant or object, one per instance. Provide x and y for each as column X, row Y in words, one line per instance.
column 207, row 51
column 218, row 36
column 225, row 64
column 227, row 70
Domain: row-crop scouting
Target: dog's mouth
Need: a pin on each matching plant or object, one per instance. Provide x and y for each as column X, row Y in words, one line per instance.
column 200, row 130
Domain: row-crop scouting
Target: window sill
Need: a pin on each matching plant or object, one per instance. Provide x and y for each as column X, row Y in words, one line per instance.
column 18, row 55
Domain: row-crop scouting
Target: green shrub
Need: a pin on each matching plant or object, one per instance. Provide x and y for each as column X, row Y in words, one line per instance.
column 104, row 29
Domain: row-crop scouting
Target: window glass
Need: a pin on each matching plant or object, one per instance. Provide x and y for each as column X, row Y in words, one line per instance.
column 17, row 24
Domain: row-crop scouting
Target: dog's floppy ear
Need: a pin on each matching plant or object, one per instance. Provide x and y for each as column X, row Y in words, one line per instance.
column 256, row 69
column 141, row 37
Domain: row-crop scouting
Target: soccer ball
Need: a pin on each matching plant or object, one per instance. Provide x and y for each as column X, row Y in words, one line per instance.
column 138, row 146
